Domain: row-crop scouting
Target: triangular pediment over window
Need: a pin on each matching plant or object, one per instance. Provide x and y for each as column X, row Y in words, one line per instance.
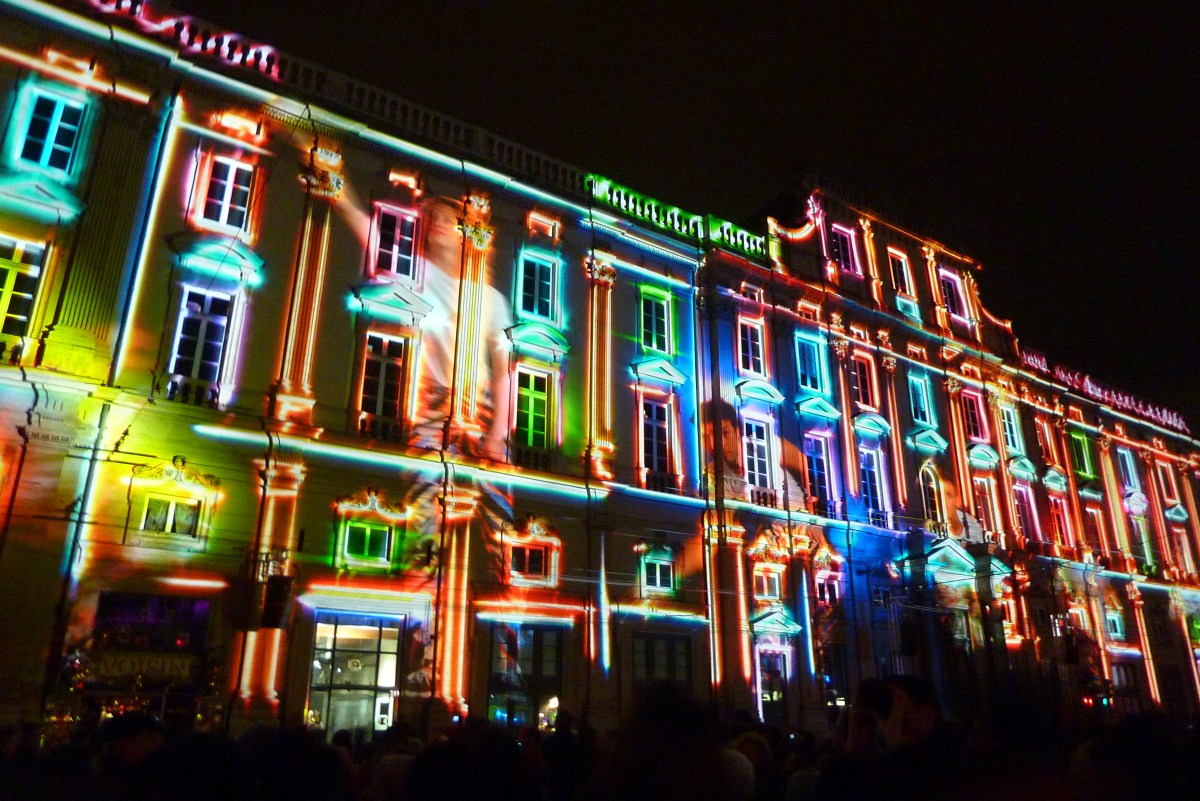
column 540, row 341
column 758, row 389
column 39, row 198
column 395, row 302
column 775, row 621
column 658, row 370
column 224, row 257
column 1176, row 513
column 818, row 407
column 927, row 439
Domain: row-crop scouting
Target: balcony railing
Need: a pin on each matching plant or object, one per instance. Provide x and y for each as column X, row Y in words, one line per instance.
column 206, row 394
column 533, row 458
column 662, row 482
column 764, row 496
column 380, row 428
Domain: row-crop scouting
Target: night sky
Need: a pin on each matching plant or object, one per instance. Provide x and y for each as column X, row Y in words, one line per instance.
column 1056, row 145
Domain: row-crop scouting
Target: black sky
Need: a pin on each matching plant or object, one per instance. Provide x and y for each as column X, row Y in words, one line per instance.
column 1056, row 144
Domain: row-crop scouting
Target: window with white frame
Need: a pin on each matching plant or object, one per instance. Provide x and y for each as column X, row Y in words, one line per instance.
column 901, row 276
column 1045, row 436
column 1128, row 469
column 862, row 381
column 1114, row 624
column 532, row 429
column 529, row 561
column 539, row 287
column 1059, row 521
column 1166, row 479
column 656, row 321
column 395, row 242
column 227, row 198
column 1093, row 521
column 656, row 436
column 1183, row 542
column 20, row 273
column 829, row 590
column 918, row 396
column 172, row 515
column 52, row 132
column 1082, row 455
column 756, row 437
column 1026, row 516
column 750, row 346
column 952, row 293
column 973, row 416
column 841, row 249
column 810, row 364
column 366, row 542
column 658, row 574
column 985, row 502
column 816, row 463
column 767, row 584
column 200, row 334
column 931, row 494
column 385, row 375
column 1012, row 429
column 871, row 483
column 1139, row 538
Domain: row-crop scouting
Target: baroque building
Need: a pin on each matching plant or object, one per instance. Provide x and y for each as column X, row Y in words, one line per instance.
column 322, row 407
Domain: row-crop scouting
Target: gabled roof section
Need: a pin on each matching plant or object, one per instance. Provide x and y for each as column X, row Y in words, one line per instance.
column 658, row 369
column 37, row 197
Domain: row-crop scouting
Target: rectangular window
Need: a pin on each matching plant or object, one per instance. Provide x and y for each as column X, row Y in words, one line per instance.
column 529, row 561
column 538, row 297
column 53, row 132
column 367, row 542
column 918, row 395
column 662, row 657
column 656, row 322
column 385, row 372
column 810, row 364
column 227, row 201
column 750, row 341
column 20, row 272
column 985, row 502
column 828, row 590
column 766, row 584
column 200, row 336
column 757, row 442
column 396, row 243
column 1060, row 522
column 1026, row 518
column 1082, row 456
column 1012, row 429
column 1166, row 478
column 973, row 416
column 901, row 277
column 841, row 250
column 533, row 409
column 862, row 381
column 172, row 515
column 1093, row 521
column 658, row 575
column 1115, row 625
column 816, row 458
column 1045, row 435
column 1128, row 468
column 872, row 489
column 952, row 294
column 656, row 436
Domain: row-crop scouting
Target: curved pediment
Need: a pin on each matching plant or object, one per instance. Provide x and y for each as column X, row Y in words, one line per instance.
column 983, row 457
column 395, row 302
column 871, row 423
column 1055, row 479
column 1021, row 467
column 539, row 340
column 1089, row 491
column 223, row 257
column 927, row 439
column 818, row 407
column 759, row 389
column 37, row 197
column 658, row 369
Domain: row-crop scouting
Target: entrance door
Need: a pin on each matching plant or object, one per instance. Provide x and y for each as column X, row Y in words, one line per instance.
column 772, row 687
column 356, row 663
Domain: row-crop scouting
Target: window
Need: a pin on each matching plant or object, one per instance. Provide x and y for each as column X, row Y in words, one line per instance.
column 1082, row 456
column 1114, row 624
column 841, row 249
column 367, row 542
column 816, row 458
column 395, row 245
column 750, row 341
column 1045, row 436
column 20, row 271
column 227, row 200
column 952, row 294
column 358, row 663
column 828, row 589
column 881, row 597
column 526, row 678
column 1139, row 536
column 872, row 489
column 810, row 364
column 1183, row 544
column 901, row 278
column 658, row 575
column 758, row 453
column 529, row 561
column 985, row 502
column 1059, row 521
column 1093, row 521
column 862, row 381
column 533, row 409
column 931, row 494
column 385, row 371
column 662, row 657
column 656, row 437
column 918, row 396
column 52, row 132
column 973, row 416
column 200, row 335
column 1012, row 429
column 1026, row 518
column 766, row 583
column 172, row 515
column 1166, row 479
column 656, row 322
column 538, row 295
column 1129, row 475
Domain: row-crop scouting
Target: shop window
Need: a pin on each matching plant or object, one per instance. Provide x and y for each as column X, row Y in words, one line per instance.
column 395, row 242
column 21, row 266
column 200, row 334
column 171, row 515
column 52, row 131
column 384, row 393
column 227, row 194
column 750, row 346
column 358, row 670
column 538, row 282
column 661, row 658
column 656, row 322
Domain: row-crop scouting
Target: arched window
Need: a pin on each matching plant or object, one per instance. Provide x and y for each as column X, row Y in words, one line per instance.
column 931, row 494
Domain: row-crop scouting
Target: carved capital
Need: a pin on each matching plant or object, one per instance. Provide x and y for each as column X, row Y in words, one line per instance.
column 1105, row 442
column 841, row 347
column 889, row 364
column 884, row 337
column 601, row 274
column 477, row 234
column 953, row 386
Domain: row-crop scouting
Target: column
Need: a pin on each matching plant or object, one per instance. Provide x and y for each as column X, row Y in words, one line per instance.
column 601, row 278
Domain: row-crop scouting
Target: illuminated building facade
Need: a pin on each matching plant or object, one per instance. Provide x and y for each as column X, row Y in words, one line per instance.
column 320, row 406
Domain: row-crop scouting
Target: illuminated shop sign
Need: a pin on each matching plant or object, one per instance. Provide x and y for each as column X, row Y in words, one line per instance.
column 675, row 220
column 1082, row 382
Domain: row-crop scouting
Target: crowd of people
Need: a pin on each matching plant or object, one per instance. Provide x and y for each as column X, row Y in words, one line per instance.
column 891, row 742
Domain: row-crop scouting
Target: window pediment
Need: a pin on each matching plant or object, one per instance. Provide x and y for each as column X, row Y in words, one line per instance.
column 1176, row 513
column 927, row 439
column 775, row 621
column 1021, row 467
column 758, row 389
column 658, row 369
column 39, row 197
column 394, row 302
column 983, row 457
column 540, row 341
column 1056, row 480
column 818, row 407
column 871, row 423
column 223, row 257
